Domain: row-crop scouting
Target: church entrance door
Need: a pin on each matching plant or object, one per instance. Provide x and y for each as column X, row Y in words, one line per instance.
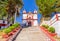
column 29, row 23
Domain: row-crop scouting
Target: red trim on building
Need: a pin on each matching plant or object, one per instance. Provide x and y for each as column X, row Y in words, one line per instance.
column 57, row 17
column 30, row 19
column 54, row 19
column 3, row 24
column 24, row 12
column 53, row 23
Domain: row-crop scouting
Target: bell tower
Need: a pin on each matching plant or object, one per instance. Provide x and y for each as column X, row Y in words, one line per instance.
column 35, row 17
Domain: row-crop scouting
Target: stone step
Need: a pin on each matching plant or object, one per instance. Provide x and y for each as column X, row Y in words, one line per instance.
column 31, row 34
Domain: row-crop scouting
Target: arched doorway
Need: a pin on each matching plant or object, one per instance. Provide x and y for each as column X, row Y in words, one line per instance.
column 29, row 23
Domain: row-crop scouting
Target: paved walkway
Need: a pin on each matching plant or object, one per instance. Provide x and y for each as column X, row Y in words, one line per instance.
column 31, row 34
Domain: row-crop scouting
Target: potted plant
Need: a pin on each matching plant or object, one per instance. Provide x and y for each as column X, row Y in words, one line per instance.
column 6, row 31
column 52, row 31
column 10, row 30
column 3, row 34
column 45, row 27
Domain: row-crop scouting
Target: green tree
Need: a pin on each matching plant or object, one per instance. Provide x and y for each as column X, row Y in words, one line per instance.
column 14, row 7
column 46, row 7
column 10, row 8
column 3, row 12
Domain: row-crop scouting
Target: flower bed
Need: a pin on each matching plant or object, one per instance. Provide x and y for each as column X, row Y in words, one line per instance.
column 49, row 31
column 10, row 31
column 52, row 34
column 14, row 35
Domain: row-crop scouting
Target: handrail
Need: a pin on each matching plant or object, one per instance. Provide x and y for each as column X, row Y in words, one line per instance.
column 54, row 19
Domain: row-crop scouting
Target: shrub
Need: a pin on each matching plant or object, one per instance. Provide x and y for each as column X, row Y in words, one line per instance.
column 11, row 27
column 16, row 25
column 51, row 29
column 46, row 26
column 7, row 30
column 43, row 25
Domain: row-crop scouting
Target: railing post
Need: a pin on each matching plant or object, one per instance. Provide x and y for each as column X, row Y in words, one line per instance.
column 57, row 17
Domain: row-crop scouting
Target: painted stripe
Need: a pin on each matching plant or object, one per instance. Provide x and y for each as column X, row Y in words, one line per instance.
column 30, row 19
column 3, row 24
column 52, row 21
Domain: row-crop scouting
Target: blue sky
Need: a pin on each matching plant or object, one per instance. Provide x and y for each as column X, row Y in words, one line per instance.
column 29, row 5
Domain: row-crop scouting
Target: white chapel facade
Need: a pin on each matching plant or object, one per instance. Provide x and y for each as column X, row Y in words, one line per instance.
column 30, row 17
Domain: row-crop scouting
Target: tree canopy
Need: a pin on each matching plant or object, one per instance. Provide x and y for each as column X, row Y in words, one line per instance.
column 46, row 7
column 12, row 4
column 9, row 7
column 3, row 12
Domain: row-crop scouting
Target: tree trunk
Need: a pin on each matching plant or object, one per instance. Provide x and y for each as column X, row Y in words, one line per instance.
column 45, row 19
column 15, row 17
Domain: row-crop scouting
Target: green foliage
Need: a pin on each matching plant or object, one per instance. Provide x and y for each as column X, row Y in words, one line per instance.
column 46, row 7
column 12, row 19
column 8, row 8
column 14, row 5
column 3, row 11
column 45, row 26
column 11, row 28
column 51, row 29
column 19, row 3
column 16, row 25
column 7, row 30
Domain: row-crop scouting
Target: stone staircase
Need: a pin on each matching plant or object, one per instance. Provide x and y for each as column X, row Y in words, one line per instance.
column 31, row 34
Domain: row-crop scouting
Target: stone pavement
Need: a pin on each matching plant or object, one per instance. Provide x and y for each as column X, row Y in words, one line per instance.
column 31, row 34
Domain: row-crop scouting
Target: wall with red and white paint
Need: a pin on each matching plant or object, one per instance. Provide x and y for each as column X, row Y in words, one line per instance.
column 3, row 24
column 55, row 22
